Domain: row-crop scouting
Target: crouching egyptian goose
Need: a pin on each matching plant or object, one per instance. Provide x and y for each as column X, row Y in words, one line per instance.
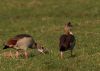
column 67, row 40
column 22, row 42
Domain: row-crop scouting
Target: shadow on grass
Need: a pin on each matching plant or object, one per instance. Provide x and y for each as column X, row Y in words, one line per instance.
column 72, row 56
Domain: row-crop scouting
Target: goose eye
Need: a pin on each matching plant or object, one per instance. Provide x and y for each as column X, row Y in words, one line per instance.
column 42, row 47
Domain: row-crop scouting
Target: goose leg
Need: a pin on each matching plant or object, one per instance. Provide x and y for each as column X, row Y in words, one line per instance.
column 61, row 55
column 26, row 54
column 11, row 54
column 17, row 54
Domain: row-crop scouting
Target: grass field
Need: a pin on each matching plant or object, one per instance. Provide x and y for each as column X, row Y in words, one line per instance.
column 44, row 20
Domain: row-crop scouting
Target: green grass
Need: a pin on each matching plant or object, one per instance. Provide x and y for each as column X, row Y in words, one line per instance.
column 44, row 20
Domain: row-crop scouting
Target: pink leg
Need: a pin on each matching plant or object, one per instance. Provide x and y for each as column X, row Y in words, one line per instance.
column 11, row 54
column 17, row 54
column 26, row 54
column 61, row 55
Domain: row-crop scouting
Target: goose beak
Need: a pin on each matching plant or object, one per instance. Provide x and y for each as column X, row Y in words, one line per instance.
column 43, row 50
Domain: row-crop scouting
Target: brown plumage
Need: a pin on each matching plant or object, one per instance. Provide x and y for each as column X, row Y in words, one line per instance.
column 11, row 42
column 67, row 42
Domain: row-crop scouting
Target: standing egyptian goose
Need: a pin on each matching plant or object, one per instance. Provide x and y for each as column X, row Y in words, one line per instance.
column 67, row 40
